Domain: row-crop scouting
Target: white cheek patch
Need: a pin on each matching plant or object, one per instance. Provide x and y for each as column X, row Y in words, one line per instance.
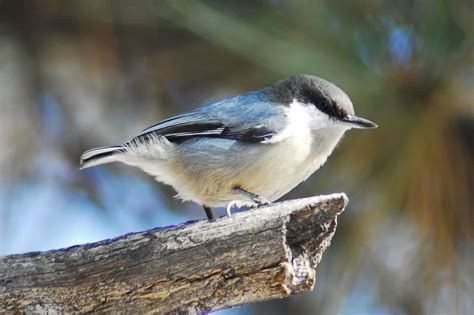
column 297, row 120
column 300, row 119
column 317, row 119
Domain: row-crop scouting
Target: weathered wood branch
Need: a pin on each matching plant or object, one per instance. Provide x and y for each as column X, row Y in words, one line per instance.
column 264, row 253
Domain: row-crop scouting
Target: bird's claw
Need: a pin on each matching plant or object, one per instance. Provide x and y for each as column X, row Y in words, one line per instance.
column 231, row 205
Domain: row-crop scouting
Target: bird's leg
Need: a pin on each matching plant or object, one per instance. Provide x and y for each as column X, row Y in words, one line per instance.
column 209, row 214
column 260, row 201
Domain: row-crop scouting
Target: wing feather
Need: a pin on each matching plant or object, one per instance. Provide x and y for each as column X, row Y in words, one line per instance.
column 246, row 118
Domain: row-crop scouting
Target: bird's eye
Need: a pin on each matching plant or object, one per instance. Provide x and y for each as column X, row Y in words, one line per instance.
column 322, row 102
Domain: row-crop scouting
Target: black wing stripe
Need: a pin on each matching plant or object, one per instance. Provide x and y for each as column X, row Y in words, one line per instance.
column 182, row 132
column 252, row 135
column 167, row 123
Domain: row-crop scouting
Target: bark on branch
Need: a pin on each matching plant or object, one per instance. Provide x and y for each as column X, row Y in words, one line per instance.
column 260, row 254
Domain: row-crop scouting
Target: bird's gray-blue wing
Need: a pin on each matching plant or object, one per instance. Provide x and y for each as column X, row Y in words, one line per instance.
column 246, row 118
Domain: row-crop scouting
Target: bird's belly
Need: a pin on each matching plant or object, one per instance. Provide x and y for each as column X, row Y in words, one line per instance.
column 268, row 170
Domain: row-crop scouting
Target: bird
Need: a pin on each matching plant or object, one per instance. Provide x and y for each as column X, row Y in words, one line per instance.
column 244, row 151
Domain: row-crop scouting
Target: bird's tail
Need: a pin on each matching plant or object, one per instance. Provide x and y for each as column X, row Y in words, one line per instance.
column 100, row 155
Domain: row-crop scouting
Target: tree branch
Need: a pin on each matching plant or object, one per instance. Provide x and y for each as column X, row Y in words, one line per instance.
column 193, row 267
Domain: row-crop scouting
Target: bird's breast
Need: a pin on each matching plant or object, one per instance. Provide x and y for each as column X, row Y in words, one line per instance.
column 283, row 165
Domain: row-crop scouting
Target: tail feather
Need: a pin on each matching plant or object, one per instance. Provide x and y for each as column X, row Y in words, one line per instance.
column 100, row 155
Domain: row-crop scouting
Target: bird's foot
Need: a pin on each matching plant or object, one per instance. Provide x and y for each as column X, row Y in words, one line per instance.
column 259, row 201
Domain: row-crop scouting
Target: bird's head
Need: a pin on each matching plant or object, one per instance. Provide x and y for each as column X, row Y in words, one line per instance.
column 329, row 104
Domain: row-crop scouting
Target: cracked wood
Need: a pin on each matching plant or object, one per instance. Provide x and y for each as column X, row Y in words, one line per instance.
column 264, row 253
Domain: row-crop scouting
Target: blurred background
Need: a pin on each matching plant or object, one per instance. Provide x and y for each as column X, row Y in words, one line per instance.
column 80, row 74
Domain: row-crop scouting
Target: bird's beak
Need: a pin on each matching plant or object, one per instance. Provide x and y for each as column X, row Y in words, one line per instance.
column 358, row 122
